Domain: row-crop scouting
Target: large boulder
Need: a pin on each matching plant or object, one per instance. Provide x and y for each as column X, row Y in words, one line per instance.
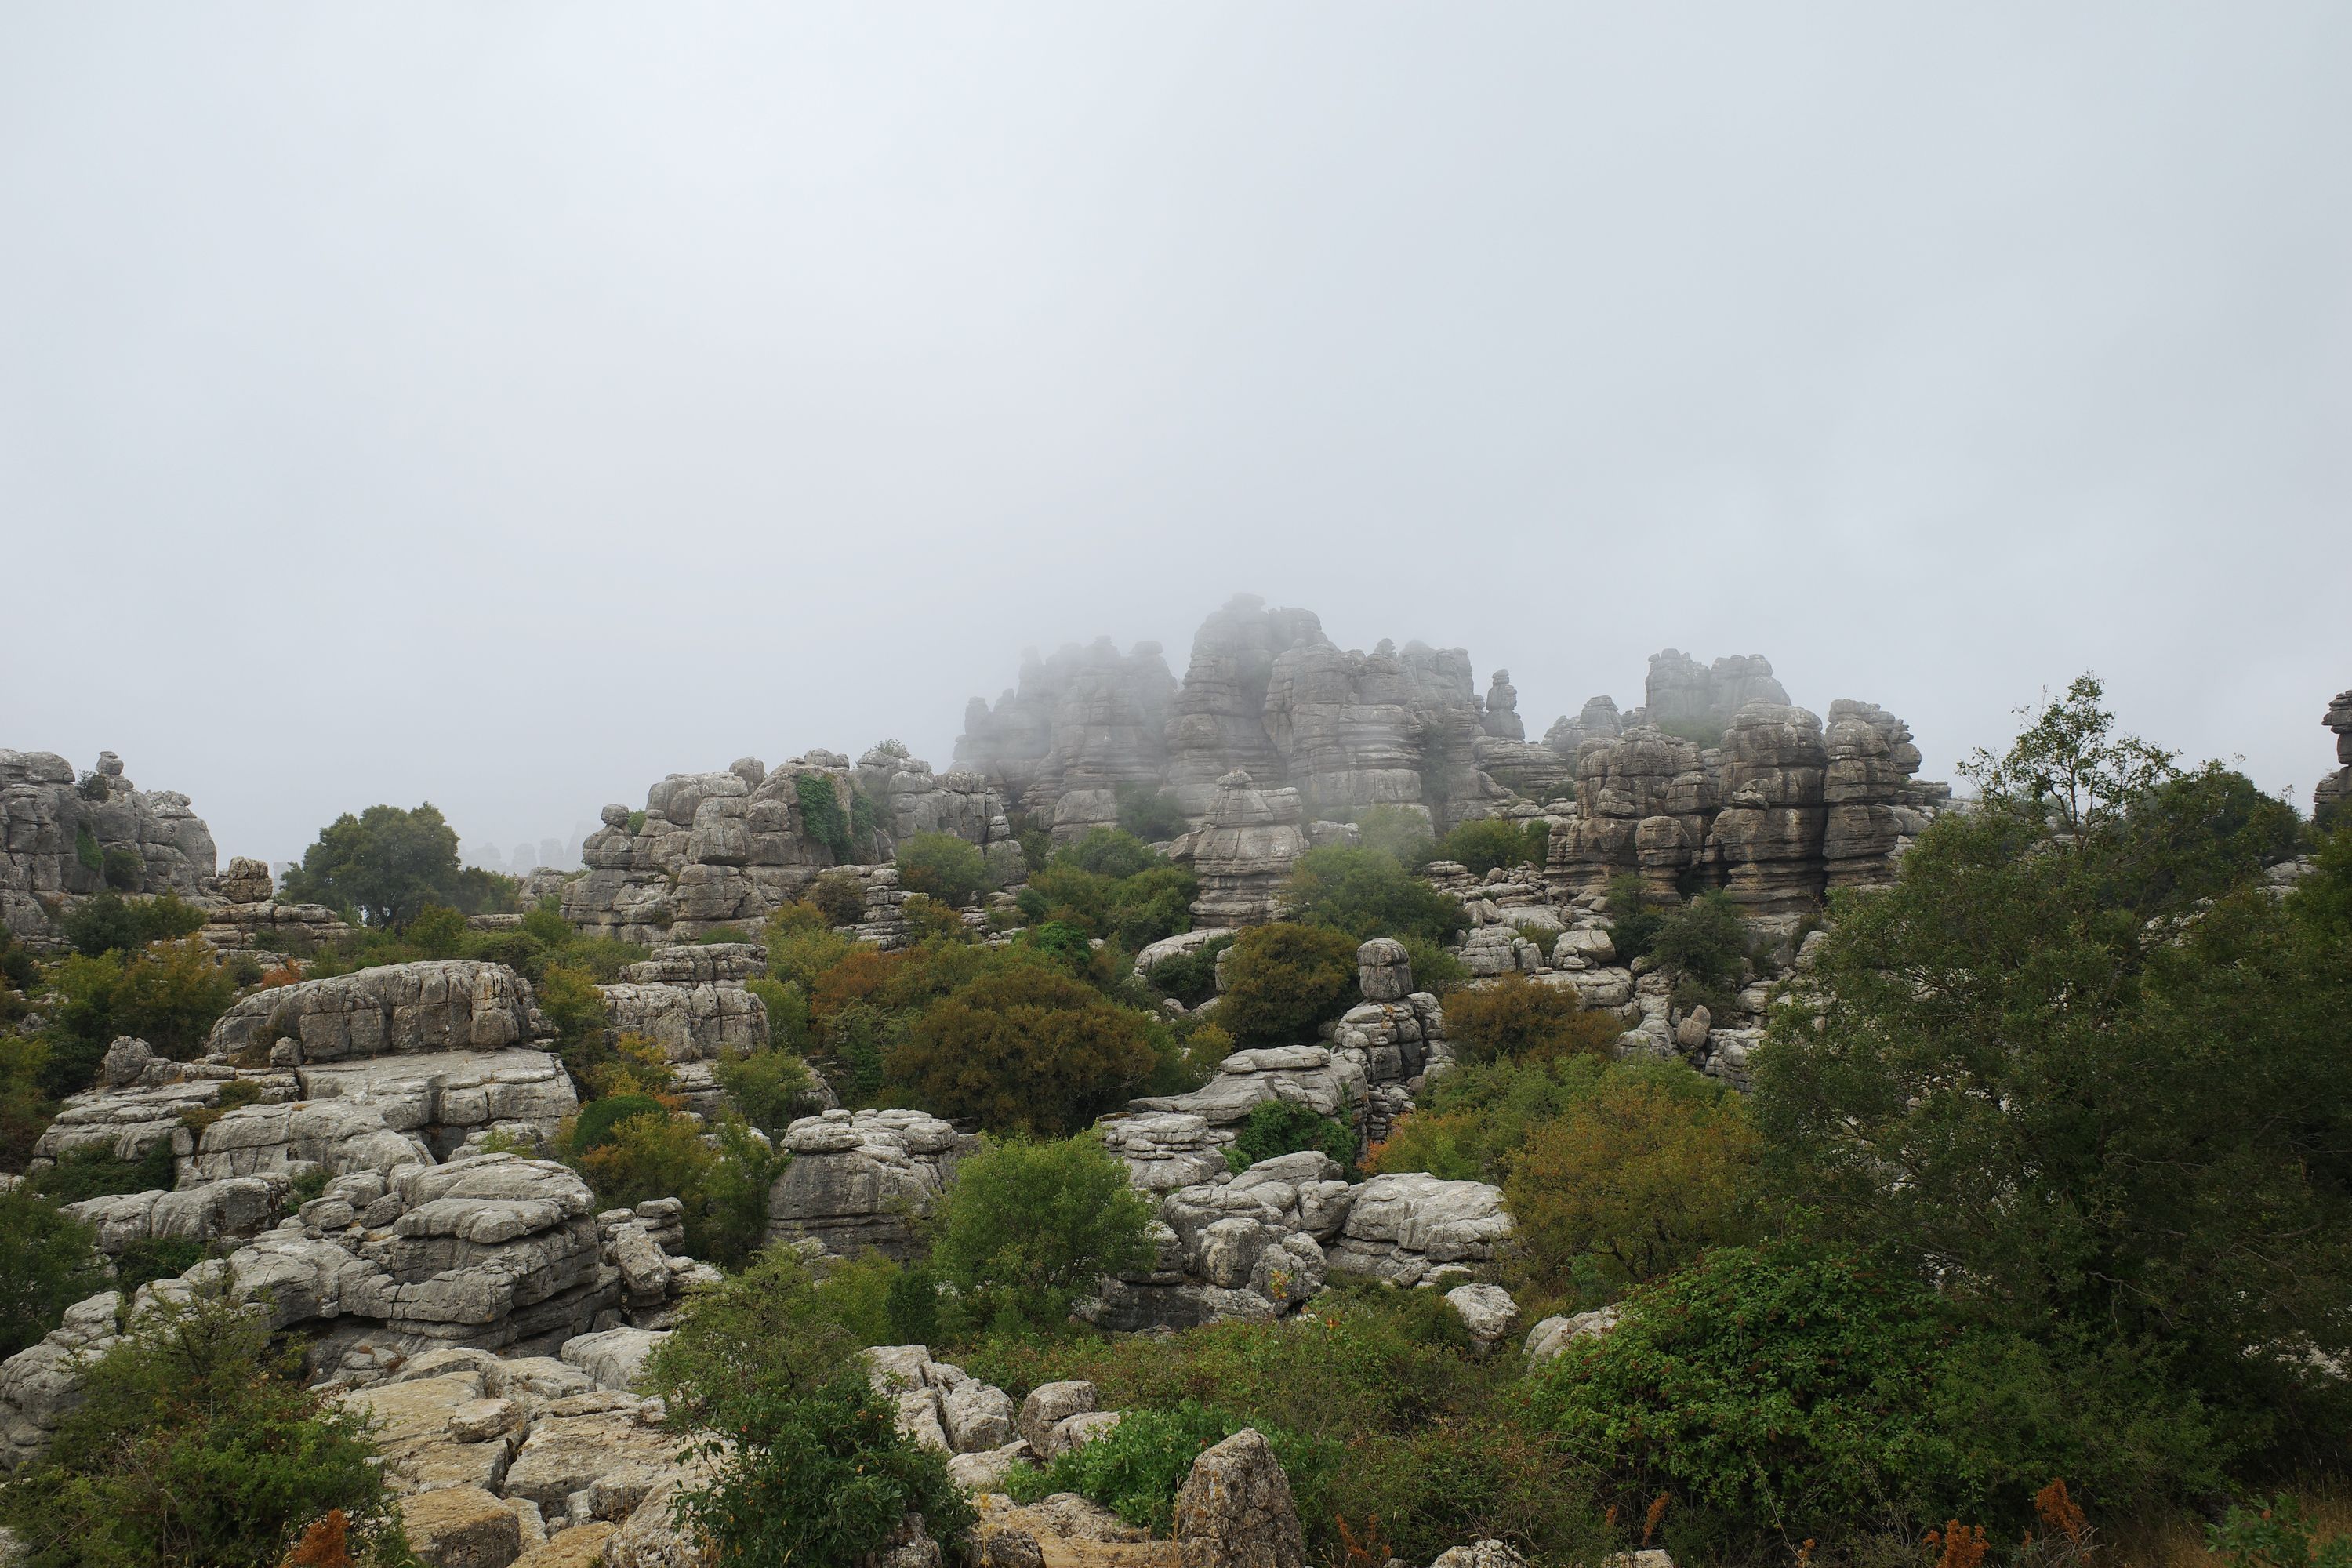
column 435, row 1005
column 1236, row 1510
column 1412, row 1227
column 856, row 1181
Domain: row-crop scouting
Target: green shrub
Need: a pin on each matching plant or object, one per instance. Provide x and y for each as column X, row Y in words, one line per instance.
column 822, row 818
column 1512, row 1015
column 593, row 1127
column 436, row 931
column 46, row 1266
column 1642, row 1174
column 1473, row 1119
column 788, row 1013
column 637, row 823
column 770, row 1088
column 577, row 1007
column 1106, row 852
column 809, row 1467
column 942, row 866
column 840, row 896
column 154, row 1258
column 1023, row 1048
column 107, row 922
column 2274, row 1534
column 1364, row 893
column 1776, row 1395
column 386, row 864
column 1151, row 815
column 1400, row 832
column 195, row 1444
column 1633, row 917
column 1435, row 970
column 1029, row 1228
column 95, row 1171
column 1487, row 843
column 1136, row 1469
column 1190, row 977
column 1282, row 980
column 170, row 995
column 518, row 951
column 1278, row 1127
column 86, row 851
column 1703, row 944
column 125, row 868
column 859, row 1039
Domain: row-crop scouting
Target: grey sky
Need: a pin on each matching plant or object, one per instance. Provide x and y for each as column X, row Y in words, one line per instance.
column 508, row 404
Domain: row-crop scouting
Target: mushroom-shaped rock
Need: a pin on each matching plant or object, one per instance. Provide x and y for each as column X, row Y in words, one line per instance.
column 1384, row 970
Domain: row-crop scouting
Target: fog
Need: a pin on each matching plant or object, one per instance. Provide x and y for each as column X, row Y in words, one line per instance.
column 507, row 405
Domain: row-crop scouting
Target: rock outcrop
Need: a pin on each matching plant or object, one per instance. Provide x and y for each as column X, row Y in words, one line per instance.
column 728, row 848
column 1234, row 1510
column 1682, row 694
column 1243, row 853
column 1079, row 725
column 62, row 836
column 1411, row 1230
column 2328, row 798
column 857, row 1180
column 1766, row 841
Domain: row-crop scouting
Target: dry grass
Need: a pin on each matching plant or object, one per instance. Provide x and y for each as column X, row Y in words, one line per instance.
column 2179, row 1541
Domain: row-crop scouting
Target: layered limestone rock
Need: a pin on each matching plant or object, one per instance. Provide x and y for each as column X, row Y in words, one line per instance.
column 242, row 916
column 1596, row 721
column 1680, row 693
column 857, row 1180
column 382, row 1271
column 1216, row 722
column 1079, row 725
column 395, row 1009
column 1412, row 1229
column 692, row 1001
column 1387, row 728
column 1244, row 852
column 2328, row 796
column 1235, row 1509
column 1766, row 841
column 61, row 838
column 1502, row 719
column 1861, row 785
column 730, row 848
column 1643, row 803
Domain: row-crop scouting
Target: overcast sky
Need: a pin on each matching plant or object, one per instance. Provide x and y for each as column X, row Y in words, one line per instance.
column 505, row 405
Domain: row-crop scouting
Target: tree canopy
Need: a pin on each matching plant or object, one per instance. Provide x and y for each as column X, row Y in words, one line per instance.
column 386, row 865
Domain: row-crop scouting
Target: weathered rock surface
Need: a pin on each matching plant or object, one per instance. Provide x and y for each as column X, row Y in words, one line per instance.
column 855, row 1180
column 438, row 1005
column 1409, row 1228
column 1236, row 1510
column 2328, row 797
column 61, row 838
column 1244, row 852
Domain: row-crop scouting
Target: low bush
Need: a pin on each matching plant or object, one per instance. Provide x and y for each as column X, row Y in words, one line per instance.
column 106, row 922
column 1400, row 832
column 1190, row 977
column 1023, row 1048
column 788, row 1012
column 1136, row 1469
column 1473, row 1119
column 1518, row 1017
column 633, row 1148
column 96, row 1172
column 575, row 1007
column 942, row 866
column 1151, row 815
column 1703, row 944
column 197, row 1446
column 1029, row 1228
column 1488, row 843
column 1281, row 980
column 839, row 897
column 46, row 1266
column 1364, row 893
column 772, row 1088
column 1644, row 1171
column 1277, row 1126
column 1633, row 917
column 810, row 1469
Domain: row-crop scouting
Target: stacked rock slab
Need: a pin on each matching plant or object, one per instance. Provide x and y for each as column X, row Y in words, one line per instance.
column 1861, row 786
column 1078, row 726
column 691, row 999
column 859, row 1180
column 1244, row 852
column 241, row 915
column 1766, row 841
column 1216, row 721
column 1680, row 691
column 1596, row 721
column 730, row 848
column 385, row 1267
column 2328, row 798
column 1643, row 803
column 62, row 837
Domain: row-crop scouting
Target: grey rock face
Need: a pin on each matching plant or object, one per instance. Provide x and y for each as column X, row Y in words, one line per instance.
column 1680, row 690
column 2329, row 796
column 1244, row 852
column 439, row 1004
column 855, row 1180
column 1406, row 1228
column 1598, row 720
column 1492, row 1554
column 1643, row 803
column 60, row 835
column 1217, row 720
column 1487, row 1310
column 1553, row 1335
column 1767, row 839
column 1383, row 970
column 1234, row 1510
column 1502, row 720
column 1079, row 724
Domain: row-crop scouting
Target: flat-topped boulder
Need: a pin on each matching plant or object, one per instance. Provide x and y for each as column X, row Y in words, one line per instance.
column 1408, row 1228
column 857, row 1179
column 435, row 1004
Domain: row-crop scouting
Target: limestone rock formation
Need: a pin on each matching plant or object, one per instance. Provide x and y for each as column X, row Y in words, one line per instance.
column 1216, row 721
column 1079, row 725
column 395, row 1009
column 1681, row 692
column 1244, row 852
column 1502, row 719
column 1596, row 721
column 61, row 836
column 691, row 1000
column 1766, row 842
column 2328, row 797
column 1643, row 803
column 1409, row 1228
column 728, row 848
column 1234, row 1510
column 856, row 1180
